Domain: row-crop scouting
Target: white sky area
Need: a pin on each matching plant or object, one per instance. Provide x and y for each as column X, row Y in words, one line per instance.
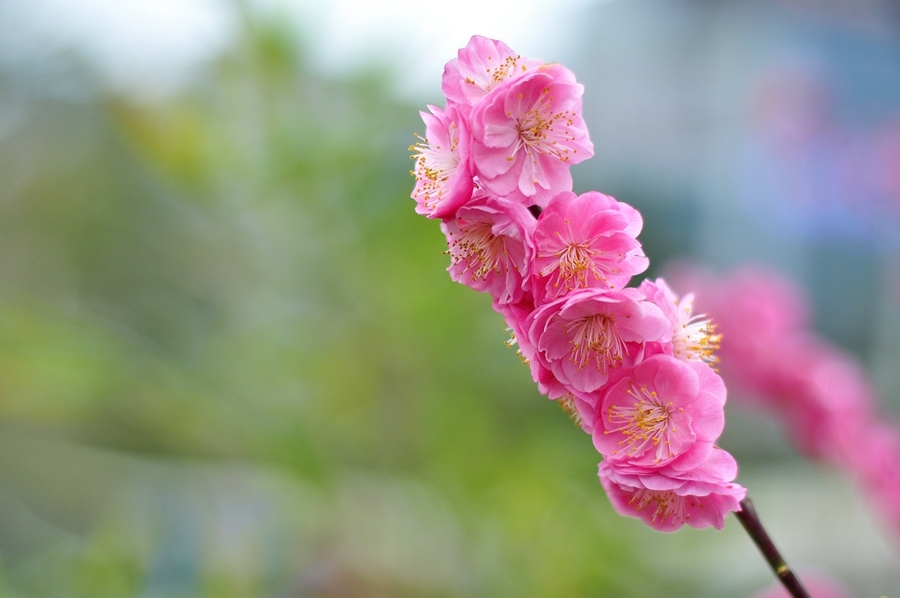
column 152, row 46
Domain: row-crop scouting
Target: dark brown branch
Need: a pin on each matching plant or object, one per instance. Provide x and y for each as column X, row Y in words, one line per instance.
column 750, row 520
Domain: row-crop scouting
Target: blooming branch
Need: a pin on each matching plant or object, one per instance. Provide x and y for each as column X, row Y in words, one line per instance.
column 631, row 365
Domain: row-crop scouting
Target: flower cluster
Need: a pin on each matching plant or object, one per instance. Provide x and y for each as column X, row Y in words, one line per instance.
column 632, row 365
column 820, row 394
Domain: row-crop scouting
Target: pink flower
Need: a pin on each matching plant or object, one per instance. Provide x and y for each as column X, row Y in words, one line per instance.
column 442, row 171
column 661, row 412
column 490, row 243
column 666, row 500
column 527, row 132
column 586, row 241
column 480, row 67
column 694, row 337
column 580, row 338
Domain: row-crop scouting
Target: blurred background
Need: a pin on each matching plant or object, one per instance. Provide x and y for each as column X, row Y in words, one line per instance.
column 232, row 363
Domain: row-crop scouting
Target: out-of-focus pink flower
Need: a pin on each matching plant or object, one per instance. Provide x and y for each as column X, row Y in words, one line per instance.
column 581, row 337
column 586, row 241
column 874, row 461
column 442, row 170
column 821, row 395
column 665, row 500
column 480, row 67
column 491, row 247
column 694, row 337
column 661, row 412
column 527, row 133
column 756, row 313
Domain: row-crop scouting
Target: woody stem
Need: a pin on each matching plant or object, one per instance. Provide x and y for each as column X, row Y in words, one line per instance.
column 750, row 520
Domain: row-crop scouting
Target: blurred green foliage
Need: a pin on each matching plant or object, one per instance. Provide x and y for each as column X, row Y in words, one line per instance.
column 232, row 363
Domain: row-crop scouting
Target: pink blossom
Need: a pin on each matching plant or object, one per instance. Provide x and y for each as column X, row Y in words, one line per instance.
column 586, row 241
column 527, row 133
column 480, row 67
column 666, row 500
column 661, row 412
column 442, row 170
column 490, row 243
column 580, row 338
column 694, row 336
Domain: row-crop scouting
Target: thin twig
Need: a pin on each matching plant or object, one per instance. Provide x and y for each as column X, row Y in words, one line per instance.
column 750, row 520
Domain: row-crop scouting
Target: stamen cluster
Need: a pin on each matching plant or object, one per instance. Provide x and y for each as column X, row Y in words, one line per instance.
column 632, row 366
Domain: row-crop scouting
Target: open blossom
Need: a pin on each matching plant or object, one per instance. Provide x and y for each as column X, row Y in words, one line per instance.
column 490, row 243
column 583, row 336
column 586, row 241
column 527, row 133
column 480, row 67
column 661, row 412
column 694, row 336
column 666, row 500
column 443, row 175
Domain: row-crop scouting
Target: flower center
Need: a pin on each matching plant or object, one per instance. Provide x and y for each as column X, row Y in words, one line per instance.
column 479, row 249
column 695, row 337
column 544, row 131
column 595, row 339
column 494, row 77
column 574, row 265
column 665, row 504
column 645, row 424
column 434, row 166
